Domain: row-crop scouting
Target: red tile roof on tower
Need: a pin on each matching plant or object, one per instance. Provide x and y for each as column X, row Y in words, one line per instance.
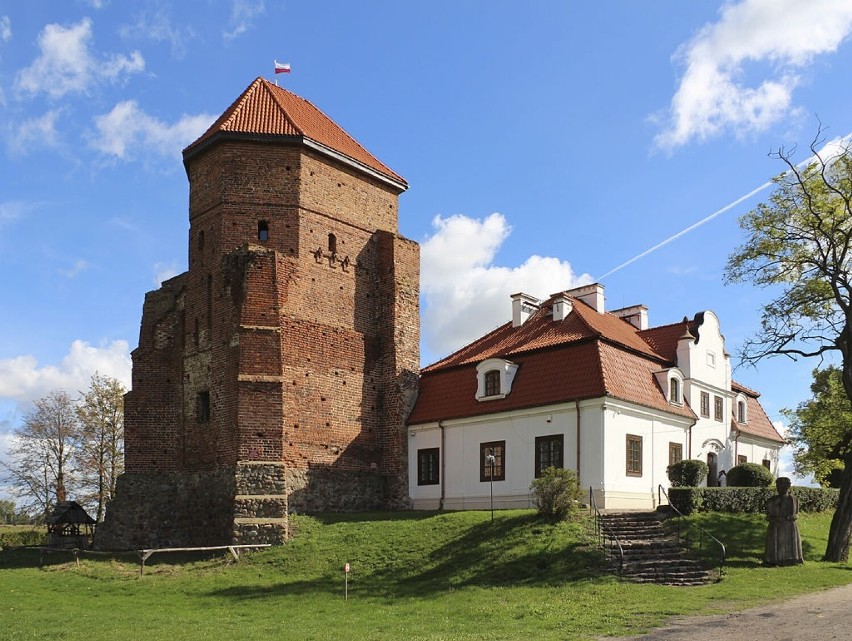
column 268, row 110
column 587, row 355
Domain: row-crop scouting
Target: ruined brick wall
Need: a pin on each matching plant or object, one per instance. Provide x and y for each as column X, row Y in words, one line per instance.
column 153, row 434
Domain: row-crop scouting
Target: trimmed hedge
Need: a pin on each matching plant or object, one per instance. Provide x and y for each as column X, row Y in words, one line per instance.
column 747, row 499
column 749, row 475
column 17, row 536
column 687, row 473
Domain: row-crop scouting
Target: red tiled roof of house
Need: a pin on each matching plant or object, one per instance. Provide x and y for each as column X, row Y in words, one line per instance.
column 265, row 109
column 540, row 331
column 664, row 339
column 739, row 387
column 758, row 423
column 587, row 368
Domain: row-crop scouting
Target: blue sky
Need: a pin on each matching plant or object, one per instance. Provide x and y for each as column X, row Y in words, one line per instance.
column 545, row 145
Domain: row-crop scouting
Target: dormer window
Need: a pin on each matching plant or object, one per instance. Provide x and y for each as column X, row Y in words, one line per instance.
column 492, row 382
column 742, row 412
column 494, row 379
column 674, row 390
column 671, row 384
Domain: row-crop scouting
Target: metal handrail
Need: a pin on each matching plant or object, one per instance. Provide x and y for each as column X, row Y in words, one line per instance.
column 603, row 534
column 701, row 530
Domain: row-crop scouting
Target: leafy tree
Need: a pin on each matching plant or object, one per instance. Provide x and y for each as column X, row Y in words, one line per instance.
column 822, row 428
column 100, row 456
column 40, row 455
column 7, row 512
column 799, row 244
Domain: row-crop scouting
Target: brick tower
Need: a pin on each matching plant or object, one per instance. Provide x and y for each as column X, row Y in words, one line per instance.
column 275, row 374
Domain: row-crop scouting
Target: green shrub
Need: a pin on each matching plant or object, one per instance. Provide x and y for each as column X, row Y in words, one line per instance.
column 749, row 475
column 687, row 473
column 686, row 499
column 556, row 492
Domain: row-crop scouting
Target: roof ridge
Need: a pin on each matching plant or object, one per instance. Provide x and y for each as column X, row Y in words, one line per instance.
column 277, row 100
column 272, row 88
column 680, row 322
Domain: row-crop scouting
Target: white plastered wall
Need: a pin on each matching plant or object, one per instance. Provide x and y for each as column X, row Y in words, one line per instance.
column 657, row 429
column 604, row 425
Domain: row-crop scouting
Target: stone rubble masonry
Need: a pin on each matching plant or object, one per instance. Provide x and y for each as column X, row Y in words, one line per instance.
column 277, row 373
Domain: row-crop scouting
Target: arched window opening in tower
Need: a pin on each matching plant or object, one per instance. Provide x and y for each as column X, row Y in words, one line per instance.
column 262, row 231
column 332, row 244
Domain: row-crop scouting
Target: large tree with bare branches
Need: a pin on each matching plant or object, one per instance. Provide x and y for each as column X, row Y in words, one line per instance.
column 100, row 456
column 41, row 452
column 799, row 246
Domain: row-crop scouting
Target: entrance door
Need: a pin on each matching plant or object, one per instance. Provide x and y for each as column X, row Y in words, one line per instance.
column 713, row 474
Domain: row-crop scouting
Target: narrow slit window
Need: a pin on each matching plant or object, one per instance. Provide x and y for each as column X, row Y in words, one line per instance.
column 332, row 244
column 202, row 407
column 262, row 231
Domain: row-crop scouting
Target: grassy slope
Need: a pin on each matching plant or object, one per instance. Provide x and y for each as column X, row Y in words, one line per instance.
column 414, row 576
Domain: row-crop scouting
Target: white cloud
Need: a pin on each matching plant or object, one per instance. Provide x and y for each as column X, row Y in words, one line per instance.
column 243, row 14
column 5, row 29
column 784, row 35
column 35, row 133
column 465, row 294
column 14, row 209
column 158, row 27
column 127, row 132
column 77, row 268
column 23, row 380
column 67, row 63
column 163, row 272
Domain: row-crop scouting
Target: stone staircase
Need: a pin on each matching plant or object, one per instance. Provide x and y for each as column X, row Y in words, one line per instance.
column 651, row 555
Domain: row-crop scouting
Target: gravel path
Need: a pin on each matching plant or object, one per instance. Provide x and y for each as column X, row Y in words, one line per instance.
column 821, row 616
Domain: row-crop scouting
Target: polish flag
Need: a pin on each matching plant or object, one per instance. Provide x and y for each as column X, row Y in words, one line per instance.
column 282, row 67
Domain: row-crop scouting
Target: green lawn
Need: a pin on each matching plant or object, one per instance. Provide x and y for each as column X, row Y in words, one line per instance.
column 414, row 576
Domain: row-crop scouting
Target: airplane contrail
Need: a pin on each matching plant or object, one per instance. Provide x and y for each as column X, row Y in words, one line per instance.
column 706, row 219
column 830, row 151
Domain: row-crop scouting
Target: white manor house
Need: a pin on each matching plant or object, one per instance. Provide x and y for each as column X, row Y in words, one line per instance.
column 568, row 384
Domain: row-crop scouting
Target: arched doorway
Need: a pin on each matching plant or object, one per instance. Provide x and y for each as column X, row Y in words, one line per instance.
column 713, row 473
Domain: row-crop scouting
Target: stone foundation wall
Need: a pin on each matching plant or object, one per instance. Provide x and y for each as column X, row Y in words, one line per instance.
column 328, row 489
column 169, row 510
column 260, row 504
